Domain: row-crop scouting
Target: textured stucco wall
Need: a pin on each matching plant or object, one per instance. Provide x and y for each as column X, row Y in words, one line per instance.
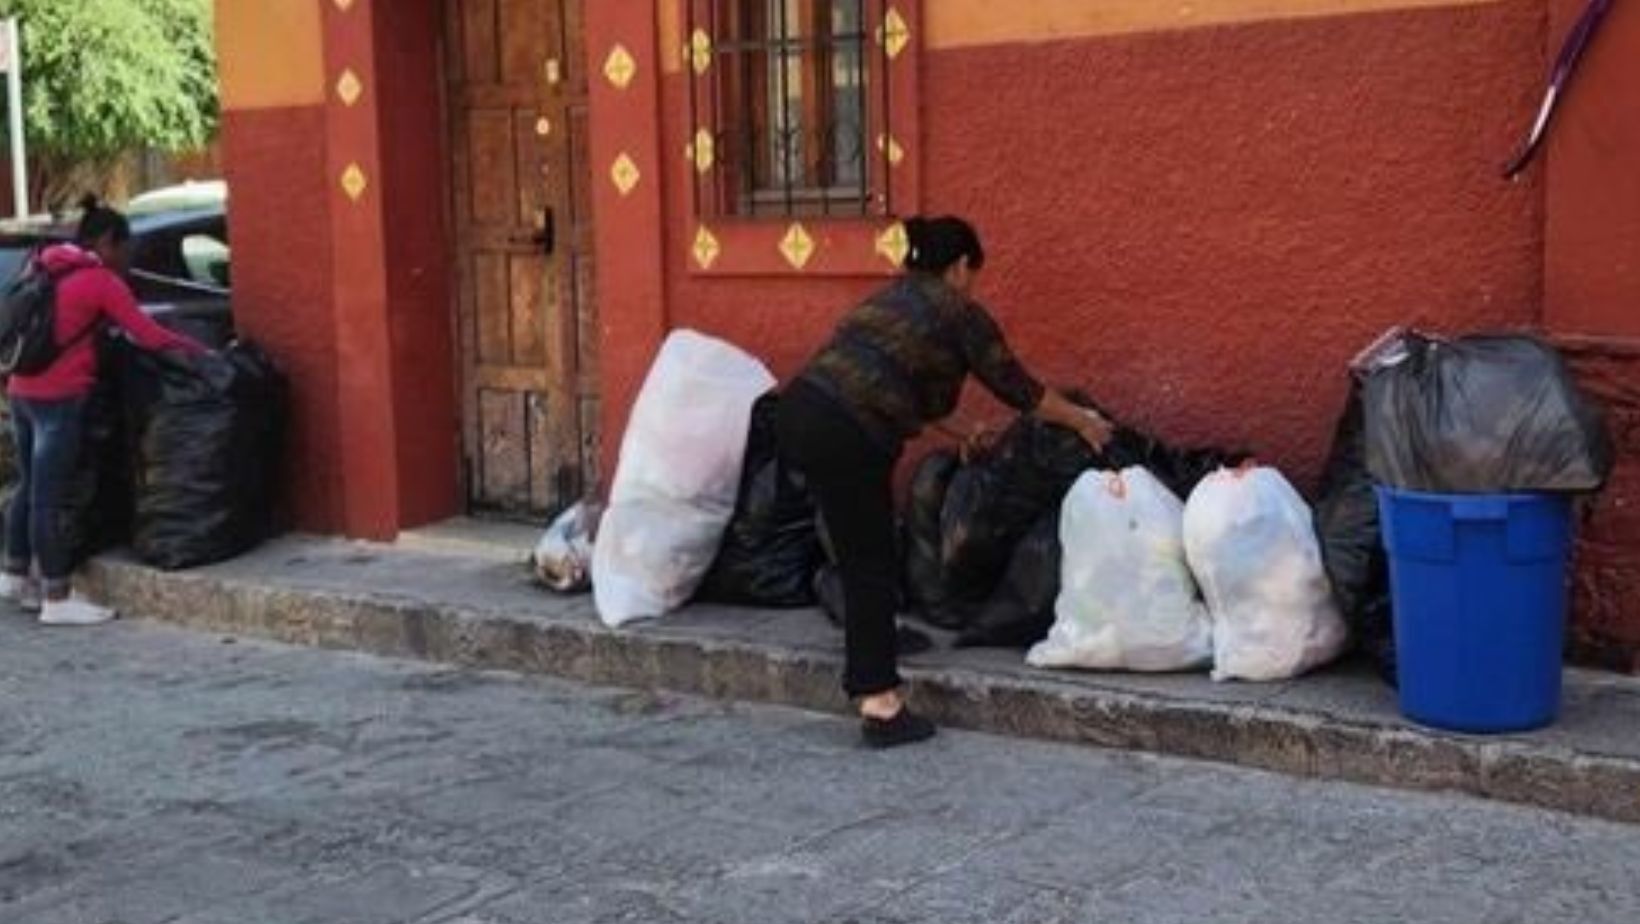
column 279, row 223
column 1592, row 281
column 1202, row 226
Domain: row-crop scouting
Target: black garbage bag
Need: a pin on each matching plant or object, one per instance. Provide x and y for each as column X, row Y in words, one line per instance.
column 1179, row 469
column 97, row 504
column 925, row 587
column 771, row 550
column 1022, row 611
column 208, row 454
column 994, row 502
column 1352, row 545
column 1481, row 414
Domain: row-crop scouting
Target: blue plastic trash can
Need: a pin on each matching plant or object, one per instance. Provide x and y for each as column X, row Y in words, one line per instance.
column 1479, row 588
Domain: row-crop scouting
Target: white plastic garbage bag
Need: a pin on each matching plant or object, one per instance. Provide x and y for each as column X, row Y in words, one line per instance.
column 563, row 557
column 1128, row 601
column 1252, row 543
column 677, row 478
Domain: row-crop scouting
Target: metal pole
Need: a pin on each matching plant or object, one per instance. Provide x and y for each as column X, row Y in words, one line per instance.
column 14, row 91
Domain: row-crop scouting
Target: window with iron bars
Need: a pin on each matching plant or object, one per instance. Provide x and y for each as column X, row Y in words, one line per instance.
column 788, row 98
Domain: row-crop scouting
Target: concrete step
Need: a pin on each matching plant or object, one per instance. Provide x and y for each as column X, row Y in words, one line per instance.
column 473, row 610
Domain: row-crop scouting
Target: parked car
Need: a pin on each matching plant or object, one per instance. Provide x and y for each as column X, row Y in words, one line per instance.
column 180, row 261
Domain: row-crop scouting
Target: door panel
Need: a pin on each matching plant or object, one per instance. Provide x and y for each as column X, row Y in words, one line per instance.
column 517, row 92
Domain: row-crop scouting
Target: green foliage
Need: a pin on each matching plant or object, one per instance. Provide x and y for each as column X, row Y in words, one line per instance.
column 106, row 77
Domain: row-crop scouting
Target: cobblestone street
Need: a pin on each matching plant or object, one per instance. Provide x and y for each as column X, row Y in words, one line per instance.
column 149, row 775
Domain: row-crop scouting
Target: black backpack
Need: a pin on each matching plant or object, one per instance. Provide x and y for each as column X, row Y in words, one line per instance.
column 28, row 322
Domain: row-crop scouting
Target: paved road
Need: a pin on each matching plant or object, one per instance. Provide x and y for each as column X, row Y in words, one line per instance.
column 148, row 775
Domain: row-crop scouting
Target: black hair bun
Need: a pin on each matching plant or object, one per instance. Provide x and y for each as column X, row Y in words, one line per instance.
column 916, row 237
column 90, row 202
column 937, row 244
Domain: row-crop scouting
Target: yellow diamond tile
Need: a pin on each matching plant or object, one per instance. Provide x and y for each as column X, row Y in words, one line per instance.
column 893, row 245
column 700, row 51
column 620, row 67
column 349, row 88
column 707, row 249
column 891, row 149
column 624, row 173
column 704, row 151
column 354, row 182
column 797, row 246
column 895, row 33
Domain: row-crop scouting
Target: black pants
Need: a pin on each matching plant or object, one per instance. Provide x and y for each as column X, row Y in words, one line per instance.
column 851, row 477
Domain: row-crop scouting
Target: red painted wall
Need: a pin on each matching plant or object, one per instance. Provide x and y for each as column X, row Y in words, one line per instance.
column 1593, row 296
column 279, row 220
column 353, row 298
column 1593, row 264
column 1209, row 223
column 417, row 247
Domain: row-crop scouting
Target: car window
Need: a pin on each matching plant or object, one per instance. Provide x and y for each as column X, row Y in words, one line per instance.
column 205, row 257
column 181, row 261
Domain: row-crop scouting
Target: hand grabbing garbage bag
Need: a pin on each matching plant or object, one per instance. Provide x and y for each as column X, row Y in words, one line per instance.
column 1128, row 601
column 992, row 503
column 1252, row 545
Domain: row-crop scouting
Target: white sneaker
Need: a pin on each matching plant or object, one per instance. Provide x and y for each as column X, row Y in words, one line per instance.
column 74, row 612
column 22, row 591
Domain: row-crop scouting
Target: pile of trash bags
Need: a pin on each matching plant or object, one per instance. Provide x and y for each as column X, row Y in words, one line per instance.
column 1139, row 557
column 1233, row 578
column 982, row 540
column 180, row 457
column 1488, row 414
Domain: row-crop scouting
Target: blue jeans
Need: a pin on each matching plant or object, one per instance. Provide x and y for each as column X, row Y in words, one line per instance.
column 48, row 436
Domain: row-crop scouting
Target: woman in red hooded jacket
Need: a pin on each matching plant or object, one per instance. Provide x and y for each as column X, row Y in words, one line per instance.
column 48, row 409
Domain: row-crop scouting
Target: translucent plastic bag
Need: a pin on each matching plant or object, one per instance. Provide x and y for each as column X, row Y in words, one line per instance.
column 1128, row 601
column 678, row 477
column 563, row 557
column 1252, row 544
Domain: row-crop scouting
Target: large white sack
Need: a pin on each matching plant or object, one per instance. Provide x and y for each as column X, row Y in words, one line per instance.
column 677, row 477
column 686, row 439
column 1128, row 601
column 1252, row 543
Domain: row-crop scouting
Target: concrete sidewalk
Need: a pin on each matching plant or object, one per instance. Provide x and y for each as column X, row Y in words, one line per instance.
column 477, row 610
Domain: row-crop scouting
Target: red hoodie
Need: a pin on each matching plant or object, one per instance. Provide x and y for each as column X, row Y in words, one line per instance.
column 88, row 294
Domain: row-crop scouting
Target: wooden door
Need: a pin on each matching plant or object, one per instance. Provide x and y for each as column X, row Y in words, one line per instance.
column 517, row 103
